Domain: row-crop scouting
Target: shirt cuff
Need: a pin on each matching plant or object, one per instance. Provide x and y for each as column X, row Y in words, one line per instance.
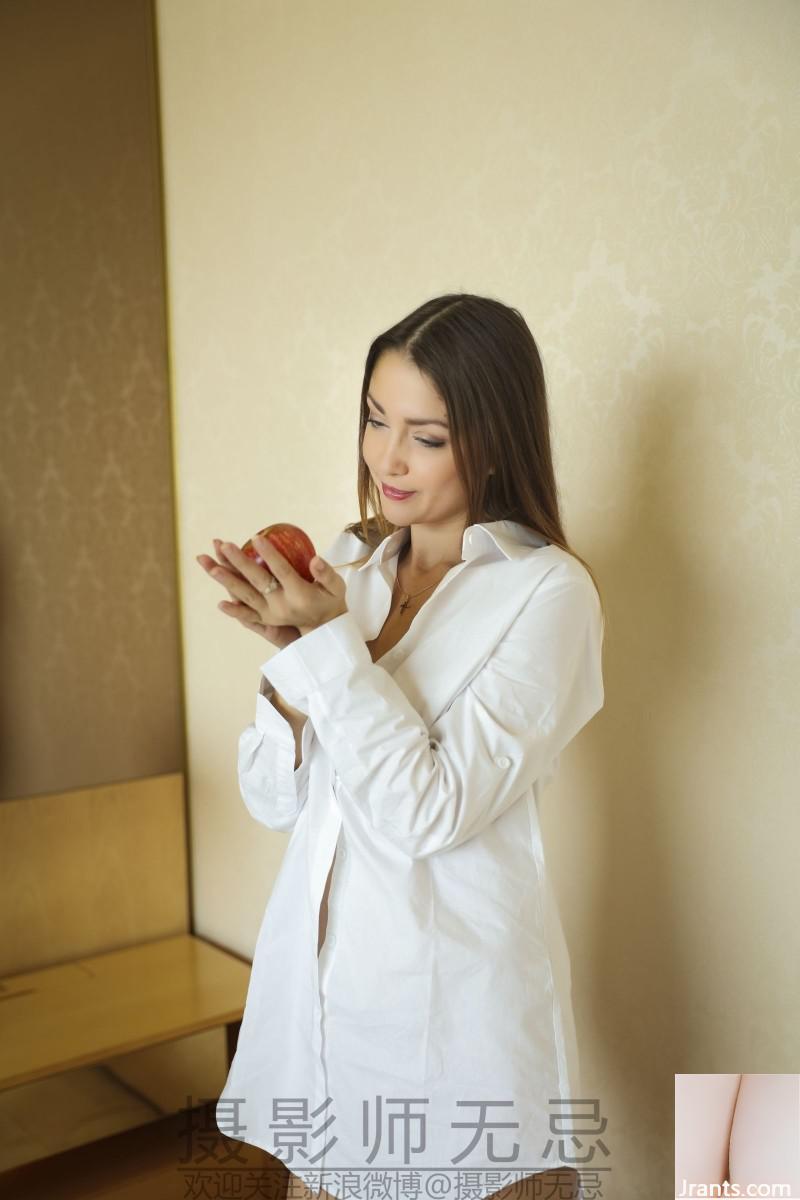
column 278, row 732
column 316, row 658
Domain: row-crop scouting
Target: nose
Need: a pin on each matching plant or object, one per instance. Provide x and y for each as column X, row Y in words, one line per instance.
column 392, row 466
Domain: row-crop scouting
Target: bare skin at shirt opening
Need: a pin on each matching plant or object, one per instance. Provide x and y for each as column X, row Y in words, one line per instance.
column 323, row 908
column 394, row 627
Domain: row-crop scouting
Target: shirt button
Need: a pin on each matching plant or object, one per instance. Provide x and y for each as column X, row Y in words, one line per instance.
column 331, row 939
column 342, row 852
column 502, row 761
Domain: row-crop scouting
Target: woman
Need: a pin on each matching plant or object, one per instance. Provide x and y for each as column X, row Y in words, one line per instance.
column 416, row 708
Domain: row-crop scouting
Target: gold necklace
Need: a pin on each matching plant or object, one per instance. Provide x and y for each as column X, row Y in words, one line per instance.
column 406, row 599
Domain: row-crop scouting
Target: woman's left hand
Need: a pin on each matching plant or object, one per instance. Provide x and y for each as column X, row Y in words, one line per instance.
column 295, row 601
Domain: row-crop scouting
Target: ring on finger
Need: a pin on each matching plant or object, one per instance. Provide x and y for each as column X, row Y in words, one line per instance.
column 271, row 586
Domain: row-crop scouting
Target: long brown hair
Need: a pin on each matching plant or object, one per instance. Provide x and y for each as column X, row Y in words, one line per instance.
column 482, row 359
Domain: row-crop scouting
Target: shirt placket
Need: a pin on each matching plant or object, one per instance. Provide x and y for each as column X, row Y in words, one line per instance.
column 325, row 959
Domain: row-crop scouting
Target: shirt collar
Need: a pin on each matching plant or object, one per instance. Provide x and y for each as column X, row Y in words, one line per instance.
column 507, row 538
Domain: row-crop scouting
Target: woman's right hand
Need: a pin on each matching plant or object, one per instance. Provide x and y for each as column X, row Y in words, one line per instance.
column 246, row 614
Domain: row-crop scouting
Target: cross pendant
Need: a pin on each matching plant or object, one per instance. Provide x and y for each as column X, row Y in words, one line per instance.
column 404, row 605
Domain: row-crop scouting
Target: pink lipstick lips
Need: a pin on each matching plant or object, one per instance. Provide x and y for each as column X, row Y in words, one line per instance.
column 394, row 494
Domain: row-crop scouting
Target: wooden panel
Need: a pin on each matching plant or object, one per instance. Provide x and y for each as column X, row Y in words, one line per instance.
column 173, row 1074
column 84, row 1012
column 92, row 870
column 67, row 1110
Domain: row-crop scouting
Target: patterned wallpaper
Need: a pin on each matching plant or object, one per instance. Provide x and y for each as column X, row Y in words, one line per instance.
column 88, row 592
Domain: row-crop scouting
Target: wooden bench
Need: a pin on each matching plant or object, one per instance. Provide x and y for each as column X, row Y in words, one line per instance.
column 91, row 1009
column 109, row 1003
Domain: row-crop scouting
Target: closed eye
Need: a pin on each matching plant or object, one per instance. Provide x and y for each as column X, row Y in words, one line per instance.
column 422, row 441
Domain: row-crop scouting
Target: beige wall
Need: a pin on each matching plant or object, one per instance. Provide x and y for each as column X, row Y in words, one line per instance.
column 624, row 173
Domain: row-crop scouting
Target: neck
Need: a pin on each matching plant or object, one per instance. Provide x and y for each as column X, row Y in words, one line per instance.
column 419, row 565
column 419, row 572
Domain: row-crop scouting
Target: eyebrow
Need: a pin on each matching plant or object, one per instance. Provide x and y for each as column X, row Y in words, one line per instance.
column 411, row 420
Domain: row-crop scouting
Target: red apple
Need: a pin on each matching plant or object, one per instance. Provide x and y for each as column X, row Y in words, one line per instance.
column 295, row 546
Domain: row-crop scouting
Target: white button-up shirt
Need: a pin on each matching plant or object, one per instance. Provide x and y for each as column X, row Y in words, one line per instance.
column 434, row 1034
